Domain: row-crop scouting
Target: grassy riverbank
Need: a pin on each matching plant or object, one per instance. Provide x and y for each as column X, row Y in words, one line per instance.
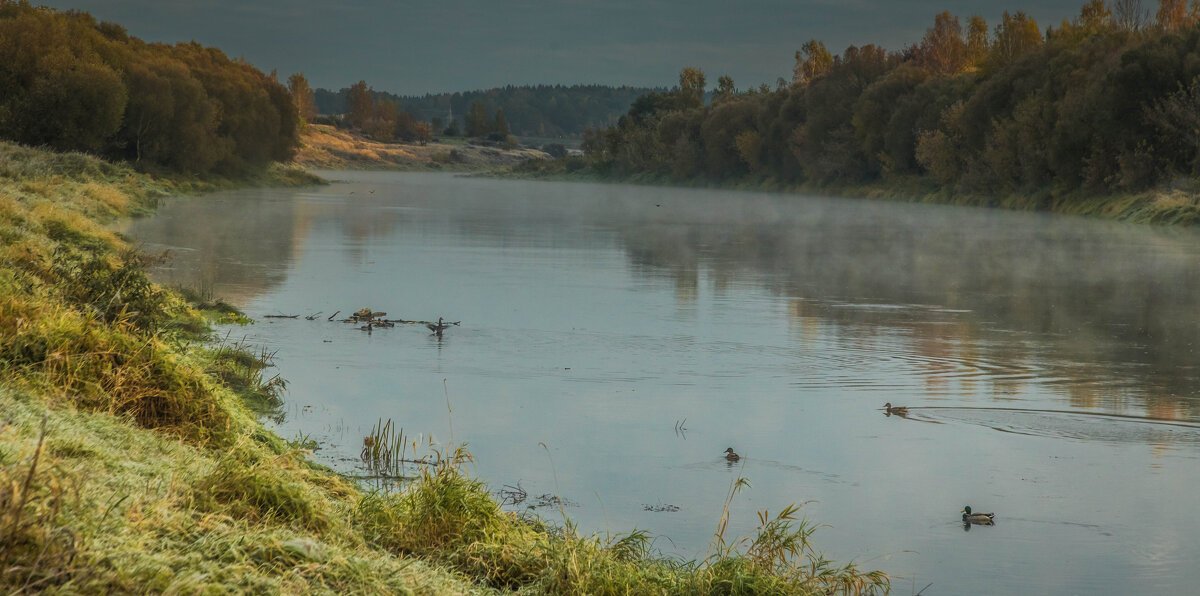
column 326, row 147
column 1178, row 205
column 130, row 461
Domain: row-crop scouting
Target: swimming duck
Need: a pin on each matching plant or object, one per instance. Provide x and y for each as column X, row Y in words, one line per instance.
column 437, row 328
column 731, row 456
column 982, row 519
column 899, row 410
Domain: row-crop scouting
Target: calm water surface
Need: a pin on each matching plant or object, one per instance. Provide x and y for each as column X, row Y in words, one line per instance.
column 1050, row 363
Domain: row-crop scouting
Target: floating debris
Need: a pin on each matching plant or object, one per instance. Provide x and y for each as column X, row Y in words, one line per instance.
column 660, row 508
column 549, row 500
column 512, row 495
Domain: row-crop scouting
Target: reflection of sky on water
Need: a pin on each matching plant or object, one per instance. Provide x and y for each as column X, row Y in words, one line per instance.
column 596, row 317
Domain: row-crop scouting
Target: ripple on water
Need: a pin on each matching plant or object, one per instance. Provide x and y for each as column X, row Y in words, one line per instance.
column 1079, row 426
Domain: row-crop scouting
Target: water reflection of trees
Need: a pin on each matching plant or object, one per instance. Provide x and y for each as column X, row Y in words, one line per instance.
column 238, row 245
column 1089, row 303
column 1103, row 300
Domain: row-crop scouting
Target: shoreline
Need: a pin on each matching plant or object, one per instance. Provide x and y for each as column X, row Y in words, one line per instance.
column 1173, row 207
column 129, row 444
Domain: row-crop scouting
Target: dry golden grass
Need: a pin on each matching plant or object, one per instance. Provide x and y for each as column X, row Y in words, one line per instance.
column 324, row 146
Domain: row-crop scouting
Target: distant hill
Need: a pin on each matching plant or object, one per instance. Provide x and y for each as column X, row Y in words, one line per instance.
column 538, row 111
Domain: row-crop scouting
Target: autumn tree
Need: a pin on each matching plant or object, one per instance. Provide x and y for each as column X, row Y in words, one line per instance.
column 360, row 104
column 1173, row 15
column 977, row 41
column 302, row 96
column 691, row 88
column 812, row 61
column 943, row 50
column 1095, row 16
column 1015, row 35
column 424, row 132
column 406, row 127
column 381, row 125
column 1130, row 15
column 70, row 83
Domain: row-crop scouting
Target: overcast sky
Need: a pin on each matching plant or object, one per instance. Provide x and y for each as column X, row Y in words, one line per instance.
column 453, row 45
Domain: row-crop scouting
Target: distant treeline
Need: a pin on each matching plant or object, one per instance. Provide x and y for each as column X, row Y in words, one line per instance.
column 1109, row 101
column 70, row 83
column 542, row 111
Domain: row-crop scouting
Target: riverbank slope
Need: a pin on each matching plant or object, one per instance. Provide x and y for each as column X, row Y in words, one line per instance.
column 325, row 147
column 131, row 462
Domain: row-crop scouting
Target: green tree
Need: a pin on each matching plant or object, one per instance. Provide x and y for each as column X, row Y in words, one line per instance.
column 593, row 144
column 499, row 124
column 477, row 120
column 724, row 90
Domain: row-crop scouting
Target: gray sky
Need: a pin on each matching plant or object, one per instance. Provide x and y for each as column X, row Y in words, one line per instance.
column 453, row 45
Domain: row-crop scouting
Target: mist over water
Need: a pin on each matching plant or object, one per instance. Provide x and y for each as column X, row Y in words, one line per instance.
column 1049, row 362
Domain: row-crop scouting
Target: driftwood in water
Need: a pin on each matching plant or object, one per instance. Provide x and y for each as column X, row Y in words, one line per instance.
column 281, row 316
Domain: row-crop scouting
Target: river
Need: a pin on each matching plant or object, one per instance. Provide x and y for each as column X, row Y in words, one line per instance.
column 616, row 339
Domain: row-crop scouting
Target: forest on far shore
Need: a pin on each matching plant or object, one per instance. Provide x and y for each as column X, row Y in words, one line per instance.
column 530, row 110
column 1108, row 101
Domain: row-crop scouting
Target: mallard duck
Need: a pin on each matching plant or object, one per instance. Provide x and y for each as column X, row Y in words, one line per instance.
column 438, row 327
column 981, row 519
column 899, row 411
column 731, row 456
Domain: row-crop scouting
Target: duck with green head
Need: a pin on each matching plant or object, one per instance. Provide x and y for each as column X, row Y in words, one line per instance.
column 981, row 519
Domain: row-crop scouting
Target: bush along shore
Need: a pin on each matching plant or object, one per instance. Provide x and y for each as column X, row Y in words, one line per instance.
column 131, row 460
